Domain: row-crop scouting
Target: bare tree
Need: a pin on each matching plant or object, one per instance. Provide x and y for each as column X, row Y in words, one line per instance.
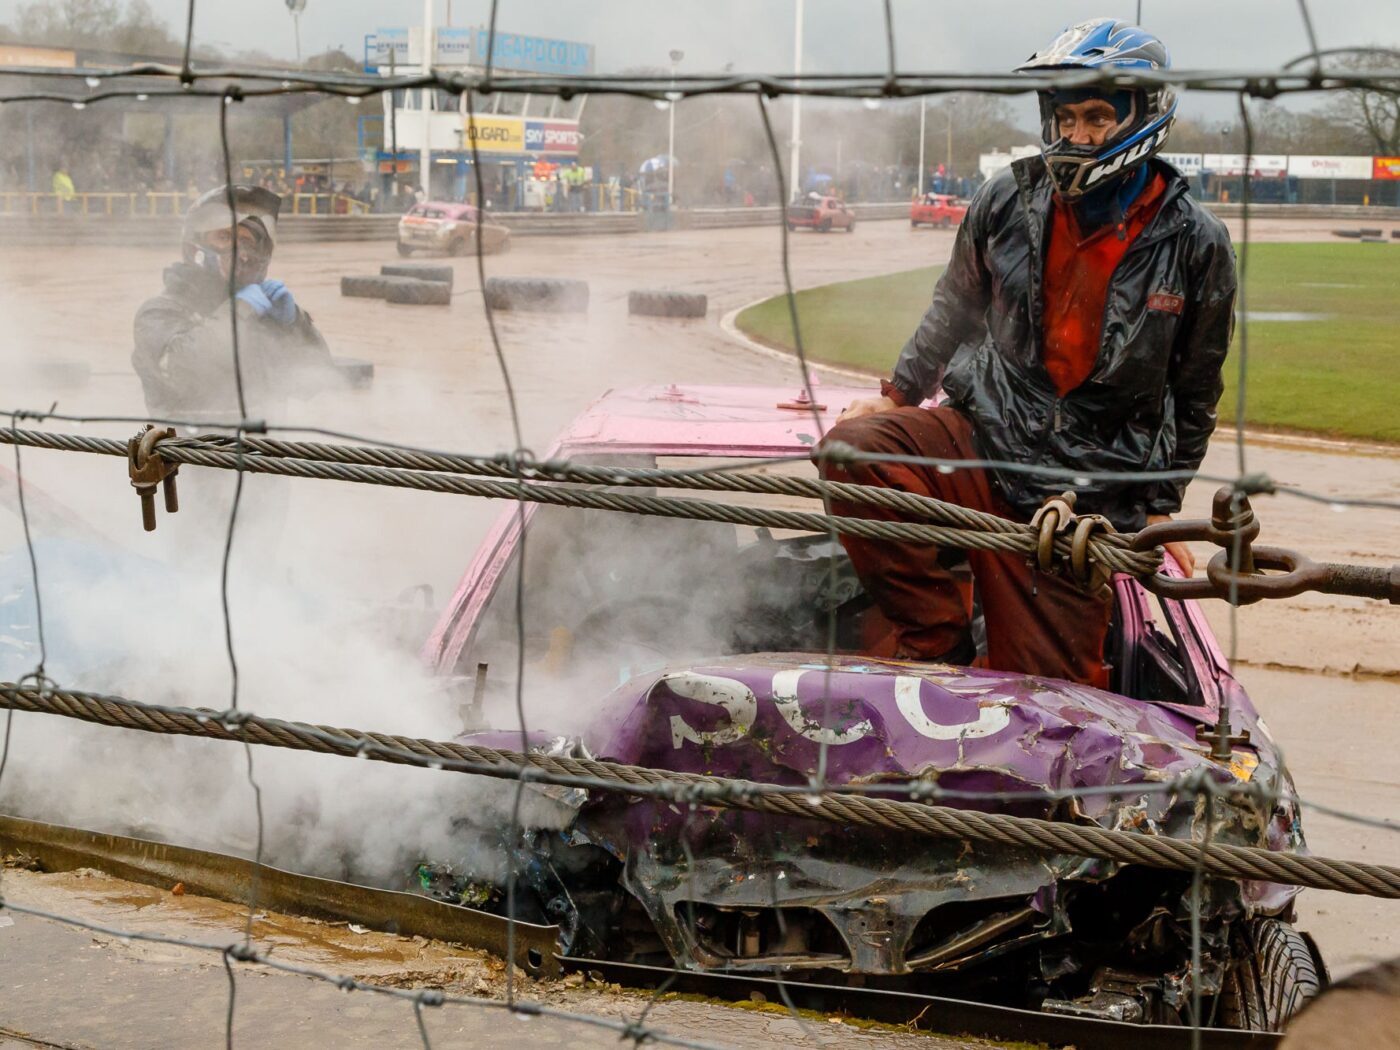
column 108, row 25
column 1374, row 112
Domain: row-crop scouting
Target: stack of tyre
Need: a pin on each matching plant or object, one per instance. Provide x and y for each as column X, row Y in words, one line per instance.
column 411, row 284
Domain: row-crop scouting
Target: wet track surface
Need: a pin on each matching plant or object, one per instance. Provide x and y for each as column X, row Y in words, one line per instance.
column 1324, row 671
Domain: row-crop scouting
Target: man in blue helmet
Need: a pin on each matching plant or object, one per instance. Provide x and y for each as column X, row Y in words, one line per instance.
column 1081, row 327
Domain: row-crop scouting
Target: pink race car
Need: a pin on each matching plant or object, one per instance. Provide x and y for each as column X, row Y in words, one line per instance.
column 705, row 647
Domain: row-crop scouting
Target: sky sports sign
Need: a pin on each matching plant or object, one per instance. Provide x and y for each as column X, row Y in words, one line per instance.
column 551, row 136
column 517, row 135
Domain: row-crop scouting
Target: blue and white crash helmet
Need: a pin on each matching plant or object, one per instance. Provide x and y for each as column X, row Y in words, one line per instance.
column 1145, row 113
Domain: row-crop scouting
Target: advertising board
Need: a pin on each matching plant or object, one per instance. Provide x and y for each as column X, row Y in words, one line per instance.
column 1385, row 167
column 462, row 46
column 1266, row 164
column 495, row 134
column 1330, row 167
column 518, row 135
column 523, row 53
column 552, row 136
column 454, row 46
column 391, row 47
column 1188, row 164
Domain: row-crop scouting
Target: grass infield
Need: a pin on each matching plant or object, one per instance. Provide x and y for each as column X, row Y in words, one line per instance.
column 1337, row 373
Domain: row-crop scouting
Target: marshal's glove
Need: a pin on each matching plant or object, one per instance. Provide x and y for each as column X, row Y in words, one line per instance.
column 271, row 299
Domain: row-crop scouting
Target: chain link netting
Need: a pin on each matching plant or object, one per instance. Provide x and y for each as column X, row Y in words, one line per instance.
column 518, row 475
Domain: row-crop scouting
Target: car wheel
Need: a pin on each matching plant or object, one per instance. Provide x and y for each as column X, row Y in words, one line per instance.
column 851, row 226
column 946, row 223
column 791, row 228
column 404, row 250
column 457, row 246
column 1276, row 971
column 825, row 226
column 913, row 225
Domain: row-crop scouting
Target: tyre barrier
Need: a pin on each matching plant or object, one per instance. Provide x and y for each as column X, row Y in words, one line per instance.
column 422, row 271
column 370, row 286
column 356, row 373
column 657, row 302
column 1372, row 231
column 413, row 292
column 1353, row 234
column 1395, row 234
column 553, row 294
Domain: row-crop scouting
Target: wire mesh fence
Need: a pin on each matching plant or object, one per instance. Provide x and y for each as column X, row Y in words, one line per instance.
column 248, row 445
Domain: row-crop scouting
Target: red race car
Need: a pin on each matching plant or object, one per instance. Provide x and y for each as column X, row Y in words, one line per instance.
column 937, row 209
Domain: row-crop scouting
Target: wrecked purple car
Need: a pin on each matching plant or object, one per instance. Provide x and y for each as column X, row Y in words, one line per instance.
column 702, row 647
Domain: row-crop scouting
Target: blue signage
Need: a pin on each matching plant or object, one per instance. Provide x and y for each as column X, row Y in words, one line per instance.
column 391, row 42
column 454, row 46
column 522, row 53
column 515, row 52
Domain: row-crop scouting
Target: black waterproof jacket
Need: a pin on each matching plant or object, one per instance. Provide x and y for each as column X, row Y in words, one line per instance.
column 1149, row 403
column 184, row 352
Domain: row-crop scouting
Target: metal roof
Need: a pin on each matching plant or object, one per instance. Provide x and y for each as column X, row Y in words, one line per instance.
column 706, row 420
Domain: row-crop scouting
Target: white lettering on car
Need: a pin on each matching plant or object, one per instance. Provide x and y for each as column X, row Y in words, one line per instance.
column 785, row 699
column 733, row 696
column 741, row 706
column 991, row 719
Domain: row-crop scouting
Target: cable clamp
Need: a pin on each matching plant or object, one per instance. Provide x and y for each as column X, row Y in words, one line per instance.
column 149, row 470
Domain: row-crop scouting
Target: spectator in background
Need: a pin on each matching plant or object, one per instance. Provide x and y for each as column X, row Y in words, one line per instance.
column 63, row 187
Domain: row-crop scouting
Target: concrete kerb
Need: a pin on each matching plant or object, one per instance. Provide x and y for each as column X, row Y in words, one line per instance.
column 731, row 330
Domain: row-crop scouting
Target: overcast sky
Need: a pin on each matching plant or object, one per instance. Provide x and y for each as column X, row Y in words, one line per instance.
column 841, row 35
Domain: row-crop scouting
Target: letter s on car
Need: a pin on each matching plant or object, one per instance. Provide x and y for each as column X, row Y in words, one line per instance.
column 733, row 696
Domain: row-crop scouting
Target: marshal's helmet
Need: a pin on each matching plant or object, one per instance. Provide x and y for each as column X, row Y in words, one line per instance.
column 209, row 224
column 1145, row 114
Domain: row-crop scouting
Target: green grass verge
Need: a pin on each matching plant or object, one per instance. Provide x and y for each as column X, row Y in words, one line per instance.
column 1339, row 376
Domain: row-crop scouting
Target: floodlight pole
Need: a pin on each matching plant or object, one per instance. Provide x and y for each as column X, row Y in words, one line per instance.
column 923, row 113
column 795, row 162
column 676, row 57
column 425, row 154
column 296, row 7
column 948, row 112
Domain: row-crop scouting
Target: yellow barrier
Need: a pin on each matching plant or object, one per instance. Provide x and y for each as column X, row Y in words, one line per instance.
column 327, row 204
column 116, row 204
column 14, row 202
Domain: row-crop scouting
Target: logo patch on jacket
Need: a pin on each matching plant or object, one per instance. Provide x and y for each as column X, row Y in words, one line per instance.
column 1167, row 302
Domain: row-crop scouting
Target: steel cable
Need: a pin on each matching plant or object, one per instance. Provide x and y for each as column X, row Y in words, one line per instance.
column 975, row 531
column 1041, row 836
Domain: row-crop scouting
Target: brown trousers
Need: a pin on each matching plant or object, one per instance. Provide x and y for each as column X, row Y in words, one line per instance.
column 1036, row 623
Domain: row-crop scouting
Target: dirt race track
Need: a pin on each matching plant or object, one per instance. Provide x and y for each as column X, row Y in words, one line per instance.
column 1325, row 671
